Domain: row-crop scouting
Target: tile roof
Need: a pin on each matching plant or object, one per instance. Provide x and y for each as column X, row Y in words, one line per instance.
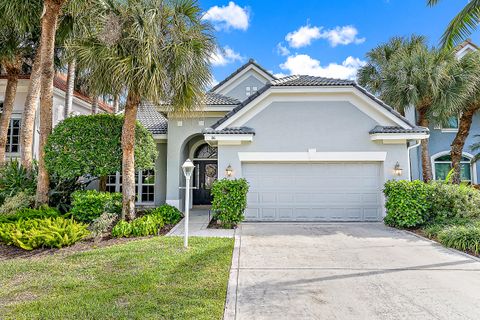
column 216, row 99
column 397, row 129
column 232, row 130
column 310, row 81
column 250, row 62
column 60, row 82
column 151, row 119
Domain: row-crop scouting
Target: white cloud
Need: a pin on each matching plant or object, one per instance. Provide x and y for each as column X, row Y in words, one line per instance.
column 306, row 65
column 340, row 35
column 303, row 36
column 224, row 56
column 230, row 16
column 282, row 50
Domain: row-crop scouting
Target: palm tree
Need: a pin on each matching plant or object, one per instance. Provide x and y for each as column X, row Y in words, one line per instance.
column 17, row 43
column 414, row 76
column 462, row 25
column 467, row 85
column 153, row 50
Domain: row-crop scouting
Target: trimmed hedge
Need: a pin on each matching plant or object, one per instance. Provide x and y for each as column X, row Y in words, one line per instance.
column 88, row 205
column 415, row 203
column 229, row 201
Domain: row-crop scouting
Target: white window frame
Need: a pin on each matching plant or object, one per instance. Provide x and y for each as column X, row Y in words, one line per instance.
column 10, row 136
column 447, row 129
column 139, row 184
column 473, row 167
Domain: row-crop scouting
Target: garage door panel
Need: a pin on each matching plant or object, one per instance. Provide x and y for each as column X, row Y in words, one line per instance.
column 313, row 192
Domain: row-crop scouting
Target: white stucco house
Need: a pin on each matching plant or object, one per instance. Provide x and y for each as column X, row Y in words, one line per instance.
column 81, row 105
column 311, row 148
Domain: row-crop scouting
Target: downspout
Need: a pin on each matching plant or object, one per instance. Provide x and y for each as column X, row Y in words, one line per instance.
column 409, row 159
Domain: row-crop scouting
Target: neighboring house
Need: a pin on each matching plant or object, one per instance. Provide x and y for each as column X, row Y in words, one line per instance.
column 311, row 148
column 441, row 137
column 81, row 105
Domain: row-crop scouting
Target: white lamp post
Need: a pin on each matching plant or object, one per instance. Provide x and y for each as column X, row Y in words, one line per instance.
column 187, row 168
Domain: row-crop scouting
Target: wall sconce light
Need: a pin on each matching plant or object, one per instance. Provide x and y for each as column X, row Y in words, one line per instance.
column 397, row 169
column 229, row 171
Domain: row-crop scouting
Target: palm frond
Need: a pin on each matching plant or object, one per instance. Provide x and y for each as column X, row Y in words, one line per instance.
column 462, row 25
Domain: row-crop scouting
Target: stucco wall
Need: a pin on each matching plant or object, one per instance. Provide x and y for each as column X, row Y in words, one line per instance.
column 441, row 141
column 238, row 92
column 180, row 140
column 324, row 126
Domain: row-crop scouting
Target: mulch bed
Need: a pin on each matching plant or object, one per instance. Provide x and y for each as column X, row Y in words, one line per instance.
column 12, row 252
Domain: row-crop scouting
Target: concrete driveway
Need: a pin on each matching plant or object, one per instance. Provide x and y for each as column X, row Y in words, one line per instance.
column 348, row 271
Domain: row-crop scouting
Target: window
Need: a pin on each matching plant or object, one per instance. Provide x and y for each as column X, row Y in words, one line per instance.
column 206, row 151
column 144, row 185
column 13, row 136
column 443, row 164
column 451, row 125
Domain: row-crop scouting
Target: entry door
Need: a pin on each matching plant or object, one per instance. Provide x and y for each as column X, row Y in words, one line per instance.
column 207, row 172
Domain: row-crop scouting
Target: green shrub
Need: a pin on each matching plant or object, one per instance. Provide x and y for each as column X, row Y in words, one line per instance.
column 465, row 238
column 102, row 224
column 21, row 200
column 14, row 178
column 42, row 233
column 149, row 224
column 451, row 200
column 229, row 201
column 87, row 205
column 170, row 214
column 28, row 213
column 407, row 203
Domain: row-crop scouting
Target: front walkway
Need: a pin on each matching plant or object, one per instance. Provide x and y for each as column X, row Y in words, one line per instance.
column 198, row 226
column 347, row 271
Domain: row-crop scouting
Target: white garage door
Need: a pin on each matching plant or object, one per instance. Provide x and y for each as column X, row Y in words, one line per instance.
column 313, row 192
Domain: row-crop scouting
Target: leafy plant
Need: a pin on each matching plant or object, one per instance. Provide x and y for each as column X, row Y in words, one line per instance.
column 14, row 178
column 406, row 203
column 42, row 233
column 149, row 224
column 102, row 224
column 74, row 148
column 229, row 201
column 21, row 200
column 28, row 213
column 465, row 238
column 170, row 214
column 87, row 205
column 450, row 200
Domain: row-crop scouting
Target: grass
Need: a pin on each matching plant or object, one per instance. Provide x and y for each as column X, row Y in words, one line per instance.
column 145, row 279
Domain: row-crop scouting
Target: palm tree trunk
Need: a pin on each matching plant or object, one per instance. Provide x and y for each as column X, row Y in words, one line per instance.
column 426, row 164
column 13, row 71
column 116, row 102
column 459, row 141
column 70, row 88
column 128, row 159
column 47, row 40
column 94, row 104
column 28, row 117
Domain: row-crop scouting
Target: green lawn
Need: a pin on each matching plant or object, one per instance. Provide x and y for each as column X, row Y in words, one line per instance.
column 145, row 279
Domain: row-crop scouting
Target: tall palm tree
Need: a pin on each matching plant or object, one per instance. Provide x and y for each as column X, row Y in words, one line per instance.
column 17, row 44
column 462, row 25
column 415, row 76
column 153, row 50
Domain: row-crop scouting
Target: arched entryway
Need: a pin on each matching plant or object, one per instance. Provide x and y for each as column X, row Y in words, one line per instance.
column 206, row 172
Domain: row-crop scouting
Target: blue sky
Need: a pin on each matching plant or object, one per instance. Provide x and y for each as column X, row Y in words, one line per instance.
column 323, row 37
